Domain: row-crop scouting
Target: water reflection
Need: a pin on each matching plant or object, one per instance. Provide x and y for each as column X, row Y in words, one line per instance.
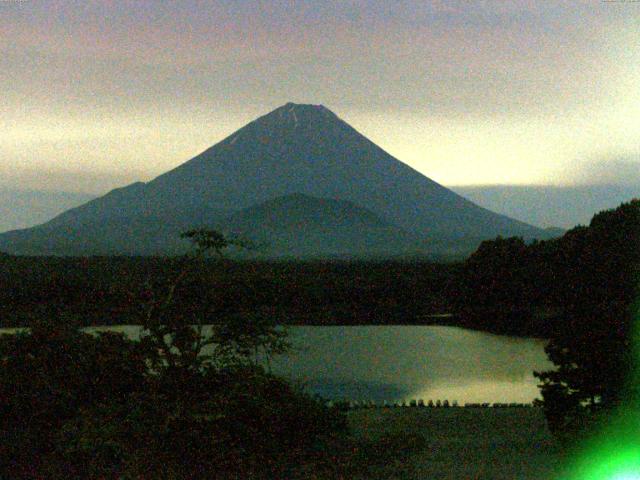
column 404, row 362
column 407, row 362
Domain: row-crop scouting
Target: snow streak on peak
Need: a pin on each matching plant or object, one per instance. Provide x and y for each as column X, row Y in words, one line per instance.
column 298, row 115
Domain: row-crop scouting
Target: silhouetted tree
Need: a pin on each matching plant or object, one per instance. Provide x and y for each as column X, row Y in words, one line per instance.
column 497, row 287
column 184, row 402
column 47, row 377
column 592, row 345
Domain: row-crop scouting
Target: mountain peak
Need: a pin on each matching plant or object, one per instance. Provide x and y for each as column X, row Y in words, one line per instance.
column 302, row 110
column 291, row 117
column 311, row 106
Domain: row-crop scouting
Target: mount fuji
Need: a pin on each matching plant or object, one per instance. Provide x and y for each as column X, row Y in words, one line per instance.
column 300, row 180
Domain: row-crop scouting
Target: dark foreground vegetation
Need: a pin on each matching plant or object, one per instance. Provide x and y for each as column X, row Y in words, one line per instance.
column 582, row 292
column 176, row 404
column 79, row 406
column 594, row 346
column 587, row 276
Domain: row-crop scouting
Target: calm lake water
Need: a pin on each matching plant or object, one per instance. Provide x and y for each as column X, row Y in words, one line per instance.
column 409, row 362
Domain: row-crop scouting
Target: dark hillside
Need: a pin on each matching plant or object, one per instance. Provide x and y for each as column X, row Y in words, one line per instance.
column 112, row 290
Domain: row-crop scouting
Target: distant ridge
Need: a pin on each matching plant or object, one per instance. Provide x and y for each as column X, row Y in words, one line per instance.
column 295, row 149
column 26, row 208
column 299, row 225
column 549, row 205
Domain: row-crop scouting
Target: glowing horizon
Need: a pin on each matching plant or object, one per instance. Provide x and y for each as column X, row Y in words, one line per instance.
column 101, row 94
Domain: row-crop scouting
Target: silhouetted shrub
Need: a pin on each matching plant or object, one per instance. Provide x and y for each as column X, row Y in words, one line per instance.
column 76, row 405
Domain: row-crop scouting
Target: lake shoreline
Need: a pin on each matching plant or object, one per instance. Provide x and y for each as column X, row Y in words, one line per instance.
column 401, row 364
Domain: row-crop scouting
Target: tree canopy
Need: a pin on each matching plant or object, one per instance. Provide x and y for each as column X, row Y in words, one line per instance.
column 578, row 291
column 183, row 402
column 592, row 347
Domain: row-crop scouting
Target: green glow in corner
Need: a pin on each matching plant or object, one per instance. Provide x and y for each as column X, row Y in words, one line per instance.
column 614, row 453
column 615, row 466
column 617, row 457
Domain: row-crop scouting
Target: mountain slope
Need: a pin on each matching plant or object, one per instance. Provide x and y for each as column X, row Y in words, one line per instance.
column 308, row 149
column 303, row 149
column 302, row 226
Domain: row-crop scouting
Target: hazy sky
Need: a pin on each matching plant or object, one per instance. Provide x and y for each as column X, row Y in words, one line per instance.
column 96, row 94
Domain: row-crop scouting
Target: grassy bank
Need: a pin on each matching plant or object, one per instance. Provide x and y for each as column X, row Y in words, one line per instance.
column 455, row 443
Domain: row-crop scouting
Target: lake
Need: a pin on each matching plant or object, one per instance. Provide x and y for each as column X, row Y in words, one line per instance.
column 396, row 363
column 414, row 362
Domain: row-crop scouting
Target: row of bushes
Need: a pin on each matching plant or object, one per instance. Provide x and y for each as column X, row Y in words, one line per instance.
column 355, row 404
